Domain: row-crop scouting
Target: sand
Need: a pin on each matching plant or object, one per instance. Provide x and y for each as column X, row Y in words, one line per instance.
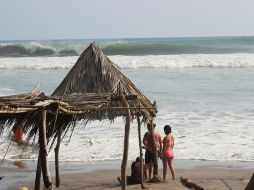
column 210, row 175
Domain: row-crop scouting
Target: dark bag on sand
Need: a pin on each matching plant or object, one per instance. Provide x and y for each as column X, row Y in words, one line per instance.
column 156, row 179
column 189, row 184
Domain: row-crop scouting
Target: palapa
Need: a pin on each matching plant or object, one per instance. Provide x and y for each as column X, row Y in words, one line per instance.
column 95, row 72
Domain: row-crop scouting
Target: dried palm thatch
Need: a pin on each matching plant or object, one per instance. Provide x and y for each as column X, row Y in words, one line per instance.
column 94, row 72
column 23, row 110
column 16, row 109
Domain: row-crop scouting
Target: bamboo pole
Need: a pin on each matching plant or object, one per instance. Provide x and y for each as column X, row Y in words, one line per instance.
column 38, row 174
column 43, row 151
column 250, row 185
column 126, row 145
column 140, row 154
column 59, row 131
column 155, row 153
column 57, row 156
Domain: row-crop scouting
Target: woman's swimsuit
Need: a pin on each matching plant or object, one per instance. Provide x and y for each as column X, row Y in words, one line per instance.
column 168, row 152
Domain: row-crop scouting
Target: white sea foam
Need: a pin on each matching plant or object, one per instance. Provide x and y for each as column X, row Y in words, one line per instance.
column 6, row 91
column 211, row 111
column 37, row 63
column 217, row 137
column 130, row 62
column 181, row 61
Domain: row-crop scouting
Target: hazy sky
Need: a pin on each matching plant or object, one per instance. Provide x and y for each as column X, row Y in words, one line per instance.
column 75, row 19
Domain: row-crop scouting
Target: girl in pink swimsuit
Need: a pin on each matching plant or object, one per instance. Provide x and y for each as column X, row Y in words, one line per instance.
column 167, row 152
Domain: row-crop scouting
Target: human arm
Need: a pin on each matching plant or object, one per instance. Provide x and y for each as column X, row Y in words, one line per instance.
column 163, row 147
column 160, row 144
column 145, row 140
column 173, row 140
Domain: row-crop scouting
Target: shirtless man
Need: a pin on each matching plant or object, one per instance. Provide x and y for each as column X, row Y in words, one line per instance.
column 149, row 154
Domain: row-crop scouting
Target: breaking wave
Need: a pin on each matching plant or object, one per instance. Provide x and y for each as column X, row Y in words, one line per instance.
column 132, row 62
column 32, row 50
column 133, row 47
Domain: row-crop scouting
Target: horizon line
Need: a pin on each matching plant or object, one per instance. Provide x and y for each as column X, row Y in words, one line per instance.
column 117, row 38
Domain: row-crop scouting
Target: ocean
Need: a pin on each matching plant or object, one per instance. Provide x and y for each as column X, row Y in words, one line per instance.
column 203, row 88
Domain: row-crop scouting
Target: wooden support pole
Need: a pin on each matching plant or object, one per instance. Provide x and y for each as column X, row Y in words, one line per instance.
column 38, row 174
column 56, row 157
column 140, row 154
column 155, row 153
column 43, row 151
column 250, row 185
column 126, row 145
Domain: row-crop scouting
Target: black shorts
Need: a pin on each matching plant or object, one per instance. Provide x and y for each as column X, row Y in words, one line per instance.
column 149, row 156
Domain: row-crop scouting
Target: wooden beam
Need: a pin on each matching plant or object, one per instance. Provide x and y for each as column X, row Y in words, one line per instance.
column 140, row 154
column 70, row 110
column 250, row 185
column 38, row 174
column 57, row 157
column 43, row 150
column 127, row 97
column 126, row 145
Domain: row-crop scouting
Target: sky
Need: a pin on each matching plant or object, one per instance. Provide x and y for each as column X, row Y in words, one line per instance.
column 95, row 19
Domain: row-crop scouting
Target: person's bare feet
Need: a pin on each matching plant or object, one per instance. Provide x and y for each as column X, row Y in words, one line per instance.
column 119, row 180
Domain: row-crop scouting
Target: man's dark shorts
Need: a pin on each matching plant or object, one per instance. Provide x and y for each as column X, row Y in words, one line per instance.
column 148, row 157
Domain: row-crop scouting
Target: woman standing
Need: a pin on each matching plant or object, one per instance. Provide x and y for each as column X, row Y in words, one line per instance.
column 167, row 154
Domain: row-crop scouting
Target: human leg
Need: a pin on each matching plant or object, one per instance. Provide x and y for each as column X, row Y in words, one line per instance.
column 164, row 162
column 171, row 167
column 149, row 163
column 150, row 168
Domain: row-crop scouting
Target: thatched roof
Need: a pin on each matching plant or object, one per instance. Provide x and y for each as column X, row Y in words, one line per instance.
column 25, row 110
column 94, row 72
column 62, row 111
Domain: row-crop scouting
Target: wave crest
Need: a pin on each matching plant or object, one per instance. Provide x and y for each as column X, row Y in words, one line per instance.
column 133, row 47
column 132, row 62
column 32, row 50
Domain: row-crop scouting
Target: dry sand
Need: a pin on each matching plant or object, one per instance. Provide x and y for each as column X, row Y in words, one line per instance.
column 211, row 177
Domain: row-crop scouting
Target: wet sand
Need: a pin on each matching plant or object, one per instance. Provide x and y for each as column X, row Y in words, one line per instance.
column 211, row 175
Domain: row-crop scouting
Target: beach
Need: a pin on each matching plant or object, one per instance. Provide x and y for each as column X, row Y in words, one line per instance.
column 203, row 90
column 211, row 175
column 92, row 88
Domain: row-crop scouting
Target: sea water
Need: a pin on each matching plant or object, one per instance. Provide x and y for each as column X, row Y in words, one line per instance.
column 203, row 88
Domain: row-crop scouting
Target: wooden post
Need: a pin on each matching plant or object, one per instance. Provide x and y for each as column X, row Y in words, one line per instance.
column 38, row 174
column 140, row 154
column 155, row 153
column 43, row 151
column 56, row 157
column 250, row 185
column 126, row 144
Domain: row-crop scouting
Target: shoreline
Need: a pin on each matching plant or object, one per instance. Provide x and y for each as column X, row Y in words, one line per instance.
column 73, row 173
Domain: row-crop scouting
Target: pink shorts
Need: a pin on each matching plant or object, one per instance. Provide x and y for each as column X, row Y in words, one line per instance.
column 168, row 154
